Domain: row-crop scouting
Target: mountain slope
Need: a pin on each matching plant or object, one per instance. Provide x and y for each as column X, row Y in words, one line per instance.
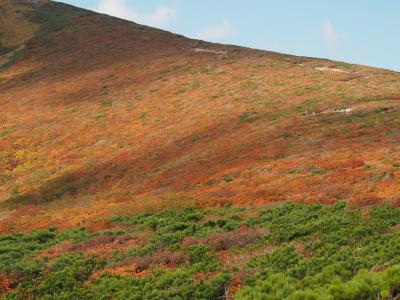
column 100, row 115
column 123, row 148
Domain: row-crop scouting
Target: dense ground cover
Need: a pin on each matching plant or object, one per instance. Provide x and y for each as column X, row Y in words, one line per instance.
column 286, row 252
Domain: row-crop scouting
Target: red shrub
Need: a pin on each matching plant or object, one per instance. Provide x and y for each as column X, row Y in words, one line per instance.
column 227, row 240
column 100, row 241
column 161, row 258
column 354, row 163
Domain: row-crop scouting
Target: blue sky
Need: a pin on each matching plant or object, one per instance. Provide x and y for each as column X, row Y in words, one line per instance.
column 356, row 31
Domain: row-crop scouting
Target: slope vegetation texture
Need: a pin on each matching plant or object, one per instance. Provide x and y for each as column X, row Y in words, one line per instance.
column 140, row 164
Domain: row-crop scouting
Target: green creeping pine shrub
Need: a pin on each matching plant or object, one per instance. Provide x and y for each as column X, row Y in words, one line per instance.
column 339, row 248
column 15, row 248
column 201, row 259
column 331, row 252
column 18, row 252
column 64, row 279
column 68, row 278
column 172, row 226
column 365, row 285
column 177, row 284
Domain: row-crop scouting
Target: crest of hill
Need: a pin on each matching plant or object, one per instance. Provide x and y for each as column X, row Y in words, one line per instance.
column 38, row 22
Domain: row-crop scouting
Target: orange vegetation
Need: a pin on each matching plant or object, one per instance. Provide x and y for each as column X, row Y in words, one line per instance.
column 105, row 115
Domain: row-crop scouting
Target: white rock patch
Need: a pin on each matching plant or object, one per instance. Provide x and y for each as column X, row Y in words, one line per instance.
column 324, row 69
column 197, row 50
column 343, row 110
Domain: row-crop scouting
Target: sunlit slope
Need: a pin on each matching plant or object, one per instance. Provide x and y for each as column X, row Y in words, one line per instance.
column 99, row 112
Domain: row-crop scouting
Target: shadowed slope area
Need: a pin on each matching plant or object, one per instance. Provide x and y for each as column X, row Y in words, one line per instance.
column 98, row 112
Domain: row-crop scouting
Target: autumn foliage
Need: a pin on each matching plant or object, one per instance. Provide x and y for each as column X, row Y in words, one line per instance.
column 114, row 137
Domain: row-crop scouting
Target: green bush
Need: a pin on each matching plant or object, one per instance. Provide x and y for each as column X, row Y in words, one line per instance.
column 177, row 284
column 338, row 250
column 316, row 252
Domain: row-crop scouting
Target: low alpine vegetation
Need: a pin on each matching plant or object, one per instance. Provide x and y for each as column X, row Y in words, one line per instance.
column 290, row 251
